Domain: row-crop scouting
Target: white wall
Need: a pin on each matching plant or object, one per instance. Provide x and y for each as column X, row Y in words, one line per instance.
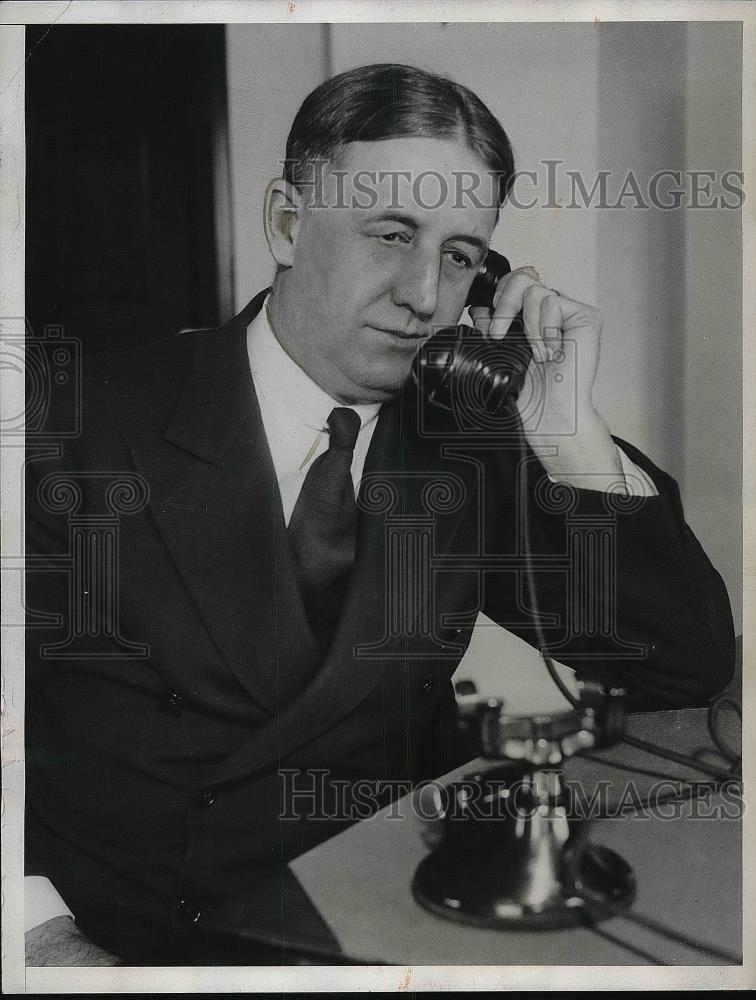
column 712, row 372
column 669, row 282
column 617, row 97
column 270, row 69
column 641, row 259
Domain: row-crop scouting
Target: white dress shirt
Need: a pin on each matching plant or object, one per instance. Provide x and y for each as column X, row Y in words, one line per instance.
column 294, row 412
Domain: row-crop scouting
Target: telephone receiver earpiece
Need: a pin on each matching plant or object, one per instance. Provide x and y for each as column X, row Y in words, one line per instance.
column 459, row 366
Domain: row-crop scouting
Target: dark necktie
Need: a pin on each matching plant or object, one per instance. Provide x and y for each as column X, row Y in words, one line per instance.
column 323, row 526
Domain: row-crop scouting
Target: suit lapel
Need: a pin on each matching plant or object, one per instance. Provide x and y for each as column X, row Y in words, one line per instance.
column 342, row 681
column 215, row 500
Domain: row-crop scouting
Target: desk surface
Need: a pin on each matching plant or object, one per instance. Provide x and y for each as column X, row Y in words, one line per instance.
column 688, row 870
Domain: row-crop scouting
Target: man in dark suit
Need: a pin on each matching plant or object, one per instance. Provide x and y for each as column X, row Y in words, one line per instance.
column 267, row 551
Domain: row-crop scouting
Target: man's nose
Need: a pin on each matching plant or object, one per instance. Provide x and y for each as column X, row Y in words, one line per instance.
column 416, row 286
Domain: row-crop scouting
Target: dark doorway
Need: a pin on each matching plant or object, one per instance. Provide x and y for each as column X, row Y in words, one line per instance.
column 126, row 151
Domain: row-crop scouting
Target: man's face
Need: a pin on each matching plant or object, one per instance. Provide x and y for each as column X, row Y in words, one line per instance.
column 369, row 284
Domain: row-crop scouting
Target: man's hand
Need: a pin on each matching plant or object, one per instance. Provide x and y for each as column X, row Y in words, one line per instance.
column 59, row 942
column 569, row 437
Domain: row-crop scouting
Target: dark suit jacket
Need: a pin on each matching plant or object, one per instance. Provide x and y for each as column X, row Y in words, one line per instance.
column 154, row 785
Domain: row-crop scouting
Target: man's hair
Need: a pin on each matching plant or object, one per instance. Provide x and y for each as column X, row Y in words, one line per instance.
column 390, row 101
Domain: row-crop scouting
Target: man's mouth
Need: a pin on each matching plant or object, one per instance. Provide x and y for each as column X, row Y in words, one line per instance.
column 403, row 334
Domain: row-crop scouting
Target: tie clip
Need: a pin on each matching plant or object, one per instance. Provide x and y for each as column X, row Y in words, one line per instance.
column 313, row 447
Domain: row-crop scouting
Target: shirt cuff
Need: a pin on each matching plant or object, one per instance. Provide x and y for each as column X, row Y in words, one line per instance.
column 637, row 482
column 42, row 902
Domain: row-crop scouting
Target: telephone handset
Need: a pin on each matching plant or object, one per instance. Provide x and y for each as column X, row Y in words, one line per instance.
column 459, row 363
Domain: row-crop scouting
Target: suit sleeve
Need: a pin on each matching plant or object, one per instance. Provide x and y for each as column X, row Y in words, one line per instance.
column 622, row 587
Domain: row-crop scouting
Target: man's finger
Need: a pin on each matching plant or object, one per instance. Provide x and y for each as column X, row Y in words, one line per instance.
column 508, row 299
column 481, row 317
column 530, row 271
column 512, row 285
column 551, row 322
column 532, row 300
column 491, row 326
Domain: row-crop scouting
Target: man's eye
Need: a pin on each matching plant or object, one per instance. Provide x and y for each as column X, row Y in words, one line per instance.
column 394, row 238
column 459, row 259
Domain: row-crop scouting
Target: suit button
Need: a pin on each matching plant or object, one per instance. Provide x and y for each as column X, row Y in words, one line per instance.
column 186, row 912
column 171, row 703
column 428, row 684
column 205, row 797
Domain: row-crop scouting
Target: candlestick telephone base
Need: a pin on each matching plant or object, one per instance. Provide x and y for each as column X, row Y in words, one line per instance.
column 507, row 853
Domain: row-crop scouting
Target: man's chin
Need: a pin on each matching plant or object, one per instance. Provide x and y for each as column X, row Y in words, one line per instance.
column 377, row 389
column 373, row 394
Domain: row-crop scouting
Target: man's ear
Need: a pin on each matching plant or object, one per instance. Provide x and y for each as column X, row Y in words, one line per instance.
column 282, row 216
